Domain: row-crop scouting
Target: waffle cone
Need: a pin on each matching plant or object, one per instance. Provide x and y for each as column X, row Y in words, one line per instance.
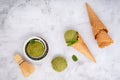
column 96, row 23
column 81, row 47
column 99, row 30
column 103, row 39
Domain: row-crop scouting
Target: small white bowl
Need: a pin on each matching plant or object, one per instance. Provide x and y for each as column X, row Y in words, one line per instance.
column 45, row 51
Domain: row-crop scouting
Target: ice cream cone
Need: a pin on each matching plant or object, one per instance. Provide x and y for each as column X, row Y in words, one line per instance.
column 98, row 26
column 81, row 47
column 103, row 39
column 26, row 68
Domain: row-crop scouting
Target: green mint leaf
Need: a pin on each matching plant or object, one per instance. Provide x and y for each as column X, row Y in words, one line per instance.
column 72, row 42
column 74, row 58
column 32, row 41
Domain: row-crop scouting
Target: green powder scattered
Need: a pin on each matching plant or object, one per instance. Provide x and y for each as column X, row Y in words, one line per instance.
column 71, row 37
column 59, row 64
column 35, row 49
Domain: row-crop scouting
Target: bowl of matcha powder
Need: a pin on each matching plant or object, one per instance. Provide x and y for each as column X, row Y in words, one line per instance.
column 35, row 49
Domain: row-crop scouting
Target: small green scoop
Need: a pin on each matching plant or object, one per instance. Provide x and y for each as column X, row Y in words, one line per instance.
column 59, row 64
column 71, row 37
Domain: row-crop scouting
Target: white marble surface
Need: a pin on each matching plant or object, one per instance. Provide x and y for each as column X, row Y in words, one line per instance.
column 51, row 18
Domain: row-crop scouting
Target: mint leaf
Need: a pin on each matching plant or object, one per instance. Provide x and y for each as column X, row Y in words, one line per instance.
column 74, row 58
column 32, row 41
column 71, row 42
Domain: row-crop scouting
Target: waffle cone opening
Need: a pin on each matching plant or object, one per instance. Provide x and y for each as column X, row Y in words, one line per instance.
column 103, row 39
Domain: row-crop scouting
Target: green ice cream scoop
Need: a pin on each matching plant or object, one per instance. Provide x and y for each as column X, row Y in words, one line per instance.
column 59, row 64
column 71, row 37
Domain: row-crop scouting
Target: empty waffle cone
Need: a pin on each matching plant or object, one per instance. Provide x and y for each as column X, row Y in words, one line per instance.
column 81, row 47
column 103, row 39
column 98, row 26
column 26, row 68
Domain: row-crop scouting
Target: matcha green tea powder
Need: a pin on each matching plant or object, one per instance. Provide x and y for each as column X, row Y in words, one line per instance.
column 59, row 64
column 35, row 49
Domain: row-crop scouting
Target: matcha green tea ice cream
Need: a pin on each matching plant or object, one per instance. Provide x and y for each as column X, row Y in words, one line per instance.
column 59, row 64
column 74, row 40
column 71, row 37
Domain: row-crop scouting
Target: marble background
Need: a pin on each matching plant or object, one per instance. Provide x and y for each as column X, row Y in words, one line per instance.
column 21, row 19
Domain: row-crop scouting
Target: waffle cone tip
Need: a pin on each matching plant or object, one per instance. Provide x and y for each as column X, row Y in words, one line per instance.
column 94, row 60
column 86, row 4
